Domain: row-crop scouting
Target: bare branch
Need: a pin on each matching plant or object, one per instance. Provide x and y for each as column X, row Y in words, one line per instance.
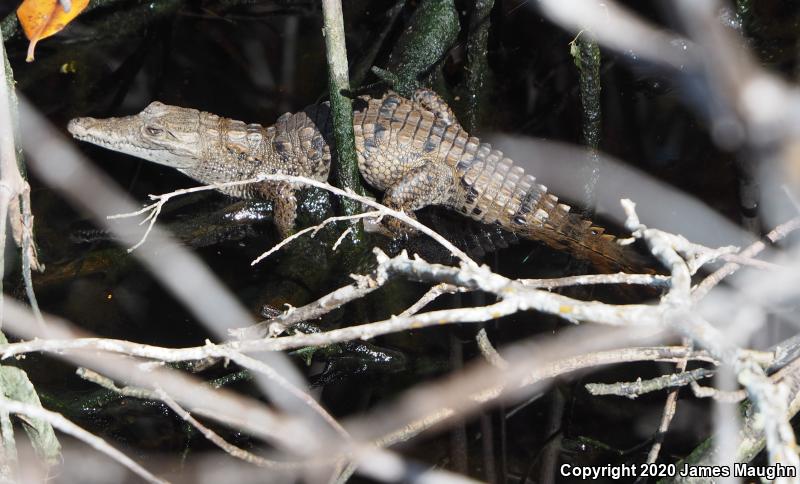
column 775, row 235
column 222, row 405
column 591, row 279
column 64, row 425
column 640, row 387
column 214, row 438
column 314, row 230
column 155, row 208
column 488, row 351
column 431, row 295
column 670, row 406
column 768, row 398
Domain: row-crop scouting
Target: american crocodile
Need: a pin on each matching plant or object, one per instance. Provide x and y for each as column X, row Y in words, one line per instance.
column 414, row 150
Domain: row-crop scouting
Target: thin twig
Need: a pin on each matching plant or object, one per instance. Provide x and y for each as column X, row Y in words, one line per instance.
column 258, row 366
column 670, row 407
column 776, row 234
column 590, row 279
column 215, row 439
column 640, row 387
column 314, row 230
column 159, row 394
column 488, row 351
column 429, row 296
column 58, row 421
column 771, row 400
column 220, row 404
column 277, row 325
column 719, row 395
column 162, row 199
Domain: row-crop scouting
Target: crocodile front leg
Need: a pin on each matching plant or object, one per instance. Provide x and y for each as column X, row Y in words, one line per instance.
column 282, row 195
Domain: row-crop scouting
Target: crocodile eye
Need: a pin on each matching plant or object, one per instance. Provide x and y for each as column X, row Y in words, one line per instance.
column 152, row 131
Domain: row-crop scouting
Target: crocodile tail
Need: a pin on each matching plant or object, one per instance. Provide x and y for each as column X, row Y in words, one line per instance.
column 495, row 191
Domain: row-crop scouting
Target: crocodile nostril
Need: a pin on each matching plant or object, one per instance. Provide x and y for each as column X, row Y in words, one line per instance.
column 77, row 127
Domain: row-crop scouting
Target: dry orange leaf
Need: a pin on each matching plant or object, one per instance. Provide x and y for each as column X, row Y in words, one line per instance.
column 43, row 18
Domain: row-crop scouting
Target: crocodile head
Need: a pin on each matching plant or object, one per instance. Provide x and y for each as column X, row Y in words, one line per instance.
column 167, row 135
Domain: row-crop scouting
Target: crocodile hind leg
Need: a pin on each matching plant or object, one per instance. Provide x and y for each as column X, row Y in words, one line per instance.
column 428, row 184
column 434, row 103
column 282, row 195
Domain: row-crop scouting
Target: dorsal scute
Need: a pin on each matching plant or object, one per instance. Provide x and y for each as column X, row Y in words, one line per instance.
column 236, row 136
column 255, row 135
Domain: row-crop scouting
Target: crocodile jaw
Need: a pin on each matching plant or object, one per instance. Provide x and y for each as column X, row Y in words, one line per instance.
column 165, row 136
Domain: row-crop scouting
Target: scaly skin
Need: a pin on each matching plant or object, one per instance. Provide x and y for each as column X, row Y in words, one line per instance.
column 414, row 150
column 212, row 149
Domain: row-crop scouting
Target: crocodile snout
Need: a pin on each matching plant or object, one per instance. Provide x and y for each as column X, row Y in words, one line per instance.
column 79, row 127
